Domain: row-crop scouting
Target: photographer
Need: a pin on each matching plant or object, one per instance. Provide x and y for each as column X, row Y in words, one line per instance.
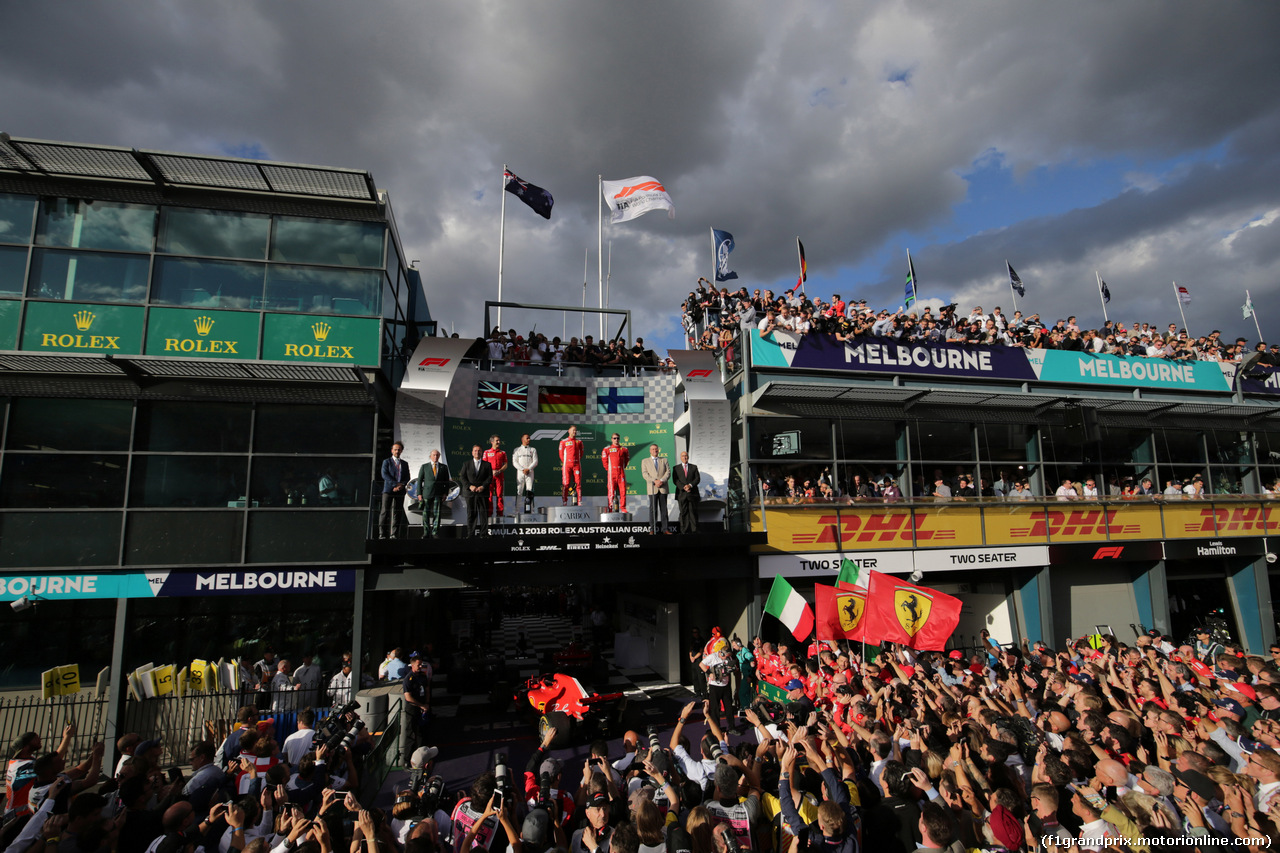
column 729, row 805
column 542, row 776
column 700, row 770
column 596, row 831
column 477, row 826
column 838, row 828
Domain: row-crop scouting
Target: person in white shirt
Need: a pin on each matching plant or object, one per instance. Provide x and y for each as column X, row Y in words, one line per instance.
column 308, row 678
column 786, row 320
column 1090, row 490
column 525, row 460
column 282, row 689
column 298, row 744
column 1067, row 492
column 340, row 684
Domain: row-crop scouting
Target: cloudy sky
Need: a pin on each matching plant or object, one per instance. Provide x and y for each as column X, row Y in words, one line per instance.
column 1141, row 139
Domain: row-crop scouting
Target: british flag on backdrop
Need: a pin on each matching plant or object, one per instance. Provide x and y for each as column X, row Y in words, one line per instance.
column 502, row 396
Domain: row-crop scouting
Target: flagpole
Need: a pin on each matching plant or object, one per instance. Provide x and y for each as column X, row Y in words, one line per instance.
column 911, row 271
column 586, row 257
column 1249, row 300
column 1100, row 299
column 1009, row 271
column 714, row 266
column 502, row 230
column 1178, row 297
column 608, row 297
column 600, row 247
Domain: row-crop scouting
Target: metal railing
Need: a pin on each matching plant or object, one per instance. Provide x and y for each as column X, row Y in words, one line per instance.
column 381, row 758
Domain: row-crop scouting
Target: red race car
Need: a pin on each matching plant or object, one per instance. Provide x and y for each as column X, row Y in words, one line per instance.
column 560, row 701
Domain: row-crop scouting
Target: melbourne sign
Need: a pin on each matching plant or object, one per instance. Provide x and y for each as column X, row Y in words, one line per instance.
column 165, row 584
column 869, row 354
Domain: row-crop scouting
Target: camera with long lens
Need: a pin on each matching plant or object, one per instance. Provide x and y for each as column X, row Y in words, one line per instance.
column 655, row 745
column 711, row 748
column 343, row 740
column 338, row 721
column 431, row 796
column 502, row 779
column 544, row 792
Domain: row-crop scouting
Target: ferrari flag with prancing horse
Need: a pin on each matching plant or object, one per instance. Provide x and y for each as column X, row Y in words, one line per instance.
column 916, row 616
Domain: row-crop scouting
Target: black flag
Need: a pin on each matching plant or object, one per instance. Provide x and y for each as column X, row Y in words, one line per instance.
column 1106, row 293
column 1015, row 282
column 534, row 196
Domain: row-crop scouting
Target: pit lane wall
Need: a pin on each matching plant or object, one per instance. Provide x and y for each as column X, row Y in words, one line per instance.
column 868, row 354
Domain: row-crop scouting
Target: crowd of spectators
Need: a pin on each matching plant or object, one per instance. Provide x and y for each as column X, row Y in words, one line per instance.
column 807, row 484
column 797, row 747
column 712, row 319
column 534, row 349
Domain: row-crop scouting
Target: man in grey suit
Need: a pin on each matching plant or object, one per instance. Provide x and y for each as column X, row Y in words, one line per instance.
column 656, row 471
column 476, row 476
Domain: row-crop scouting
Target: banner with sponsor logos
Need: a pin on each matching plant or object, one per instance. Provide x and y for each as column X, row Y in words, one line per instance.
column 321, row 338
column 167, row 584
column 75, row 327
column 882, row 528
column 196, row 333
column 904, row 562
column 1261, row 379
column 461, row 433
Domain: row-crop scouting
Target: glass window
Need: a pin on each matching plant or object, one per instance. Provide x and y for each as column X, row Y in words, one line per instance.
column 1230, row 447
column 941, row 440
column 319, row 290
column 53, row 634
column 13, row 269
column 295, row 481
column 1180, row 446
column 81, row 224
column 327, row 241
column 790, row 438
column 88, row 276
column 1125, row 445
column 1060, row 446
column 17, row 212
column 52, row 480
column 207, row 284
column 188, row 480
column 192, row 427
column 218, row 233
column 869, row 440
column 295, row 429
column 39, row 423
column 302, row 536
column 159, row 538
column 1005, row 442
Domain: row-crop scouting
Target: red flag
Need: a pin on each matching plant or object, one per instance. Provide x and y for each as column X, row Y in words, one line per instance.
column 839, row 612
column 915, row 616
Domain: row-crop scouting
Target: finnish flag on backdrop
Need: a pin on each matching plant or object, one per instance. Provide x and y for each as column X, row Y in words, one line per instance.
column 722, row 245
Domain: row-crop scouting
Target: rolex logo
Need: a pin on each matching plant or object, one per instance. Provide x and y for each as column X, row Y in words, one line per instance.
column 321, row 330
column 203, row 325
column 84, row 319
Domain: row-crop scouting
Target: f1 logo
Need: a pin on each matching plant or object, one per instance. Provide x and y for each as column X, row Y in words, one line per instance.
column 698, row 374
column 433, row 362
column 1112, row 553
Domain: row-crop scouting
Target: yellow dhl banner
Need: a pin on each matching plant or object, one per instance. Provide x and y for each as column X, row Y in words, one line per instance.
column 829, row 530
column 1194, row 520
column 1014, row 525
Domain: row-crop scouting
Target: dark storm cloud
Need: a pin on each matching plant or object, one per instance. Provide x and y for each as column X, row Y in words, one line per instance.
column 843, row 123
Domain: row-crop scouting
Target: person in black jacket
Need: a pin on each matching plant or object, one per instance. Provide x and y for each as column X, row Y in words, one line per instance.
column 893, row 825
column 838, row 828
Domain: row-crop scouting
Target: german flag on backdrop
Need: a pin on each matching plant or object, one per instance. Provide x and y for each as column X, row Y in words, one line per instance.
column 564, row 401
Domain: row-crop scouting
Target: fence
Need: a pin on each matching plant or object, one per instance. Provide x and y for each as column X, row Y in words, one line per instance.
column 177, row 721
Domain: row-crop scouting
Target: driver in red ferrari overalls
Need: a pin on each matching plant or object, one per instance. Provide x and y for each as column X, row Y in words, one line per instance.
column 497, row 460
column 571, row 467
column 615, row 458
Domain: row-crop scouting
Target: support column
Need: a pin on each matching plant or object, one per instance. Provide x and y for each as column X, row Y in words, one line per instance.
column 357, row 632
column 1151, row 594
column 1034, row 613
column 116, row 693
column 1250, row 592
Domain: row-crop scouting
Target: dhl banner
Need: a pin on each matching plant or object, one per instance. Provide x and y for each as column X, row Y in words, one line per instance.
column 886, row 528
column 880, row 528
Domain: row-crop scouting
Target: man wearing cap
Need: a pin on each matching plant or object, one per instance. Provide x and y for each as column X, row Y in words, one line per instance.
column 1194, row 790
column 417, row 706
column 340, row 684
column 1207, row 650
column 594, row 836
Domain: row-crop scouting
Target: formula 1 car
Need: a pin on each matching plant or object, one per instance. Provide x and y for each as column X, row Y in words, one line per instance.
column 576, row 713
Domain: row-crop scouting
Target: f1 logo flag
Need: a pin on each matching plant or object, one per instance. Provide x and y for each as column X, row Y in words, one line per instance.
column 634, row 197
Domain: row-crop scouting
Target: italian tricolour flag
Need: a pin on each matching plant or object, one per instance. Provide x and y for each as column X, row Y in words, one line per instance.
column 789, row 607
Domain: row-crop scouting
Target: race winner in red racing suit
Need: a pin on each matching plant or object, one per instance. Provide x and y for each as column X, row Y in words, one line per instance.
column 571, row 467
column 615, row 458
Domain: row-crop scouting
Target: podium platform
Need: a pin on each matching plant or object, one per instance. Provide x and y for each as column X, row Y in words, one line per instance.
column 571, row 514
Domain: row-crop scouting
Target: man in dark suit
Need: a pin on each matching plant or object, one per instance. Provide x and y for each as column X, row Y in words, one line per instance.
column 433, row 487
column 685, row 478
column 395, row 480
column 476, row 476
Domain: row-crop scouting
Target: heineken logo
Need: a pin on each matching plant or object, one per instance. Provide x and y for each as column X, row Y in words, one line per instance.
column 201, row 345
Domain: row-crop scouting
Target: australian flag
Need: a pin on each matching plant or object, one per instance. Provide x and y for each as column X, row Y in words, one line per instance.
column 722, row 245
column 1015, row 282
column 534, row 196
column 502, row 396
